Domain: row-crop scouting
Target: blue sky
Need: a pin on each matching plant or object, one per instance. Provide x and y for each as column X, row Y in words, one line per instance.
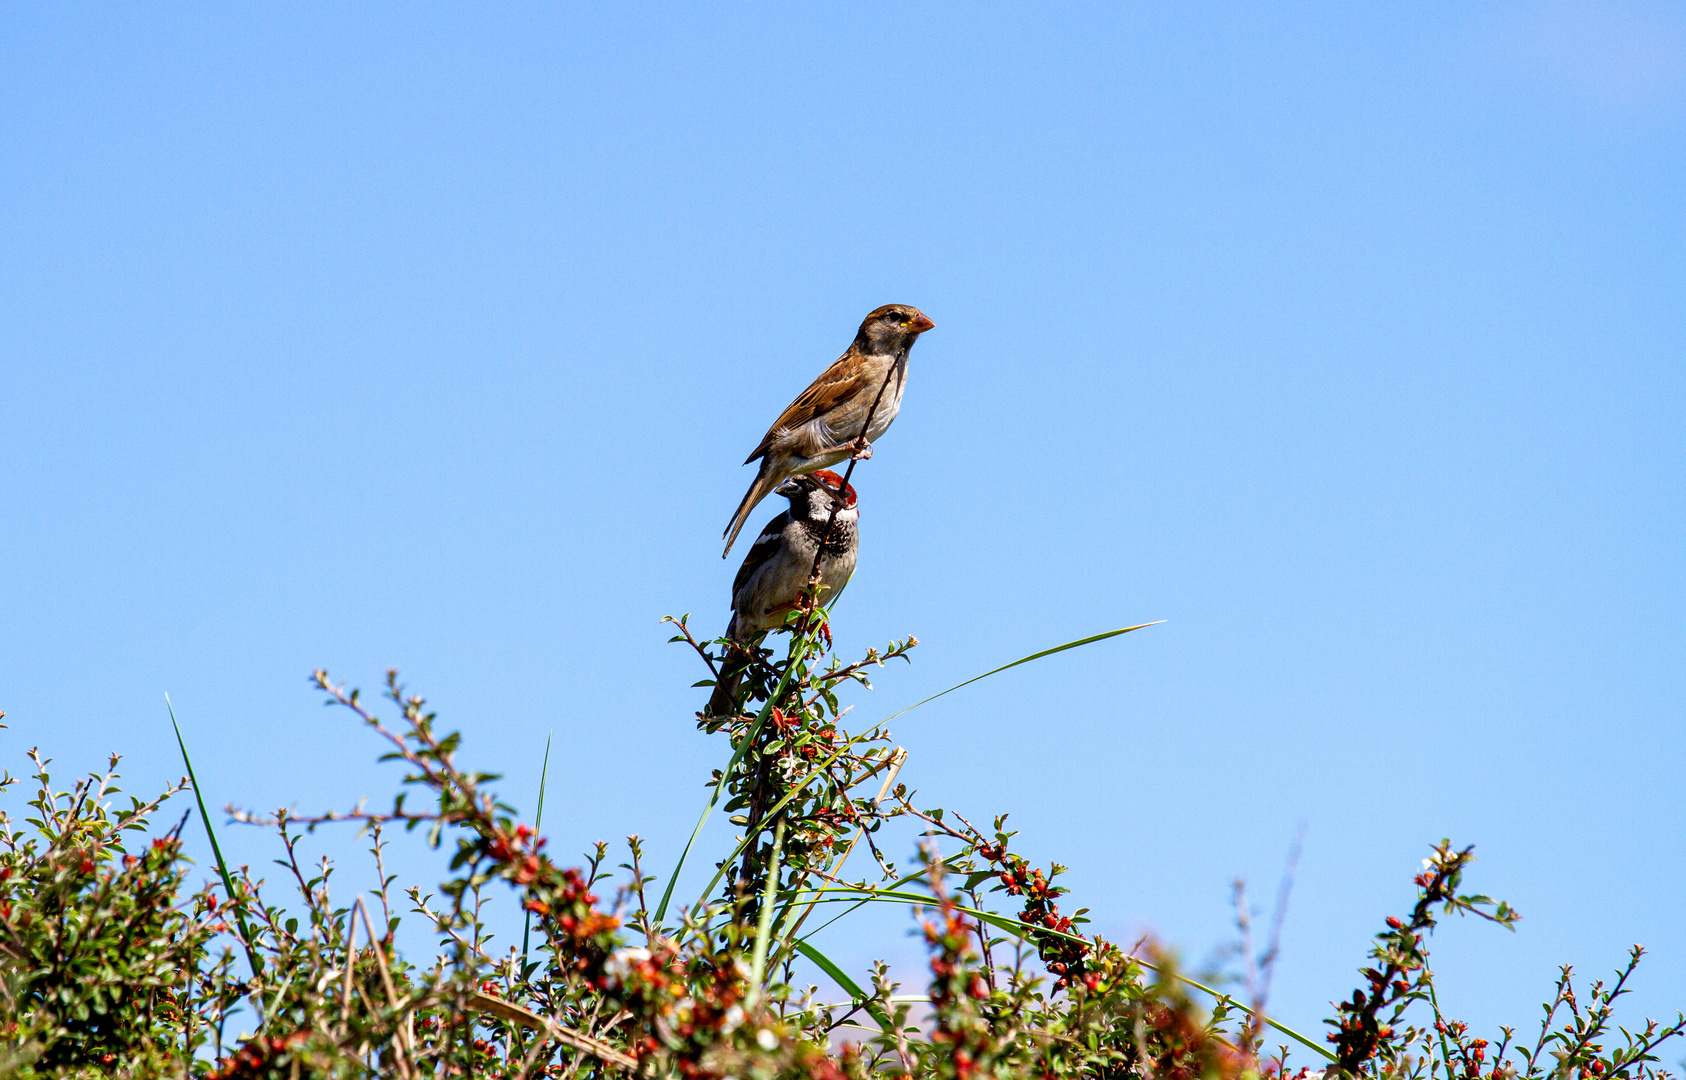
column 1347, row 339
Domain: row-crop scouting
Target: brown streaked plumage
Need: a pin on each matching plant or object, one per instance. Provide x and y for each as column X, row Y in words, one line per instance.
column 820, row 427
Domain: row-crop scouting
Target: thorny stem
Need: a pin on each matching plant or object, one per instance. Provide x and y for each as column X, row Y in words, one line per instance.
column 1603, row 1013
column 1440, row 1025
column 380, row 870
column 759, row 797
column 897, row 758
column 1551, row 1010
column 757, row 812
column 839, row 785
column 984, row 950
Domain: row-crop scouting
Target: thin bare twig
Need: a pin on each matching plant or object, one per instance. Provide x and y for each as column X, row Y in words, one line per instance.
column 516, row 1014
column 837, row 502
column 1285, row 888
column 702, row 652
column 404, row 1038
column 897, row 758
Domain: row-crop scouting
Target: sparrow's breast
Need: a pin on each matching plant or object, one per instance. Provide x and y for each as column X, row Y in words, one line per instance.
column 838, row 563
column 888, row 405
column 891, row 405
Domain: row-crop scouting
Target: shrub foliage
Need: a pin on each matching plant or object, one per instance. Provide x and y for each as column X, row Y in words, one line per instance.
column 115, row 966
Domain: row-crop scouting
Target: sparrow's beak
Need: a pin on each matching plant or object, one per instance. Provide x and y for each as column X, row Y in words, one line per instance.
column 789, row 489
column 920, row 324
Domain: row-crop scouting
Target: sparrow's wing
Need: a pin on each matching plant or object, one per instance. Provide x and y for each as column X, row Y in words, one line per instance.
column 764, row 550
column 802, row 425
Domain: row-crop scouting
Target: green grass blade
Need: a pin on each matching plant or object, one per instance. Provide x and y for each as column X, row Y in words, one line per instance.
column 841, row 978
column 538, row 820
column 817, row 774
column 662, row 910
column 714, row 796
column 216, row 849
column 786, row 941
column 827, row 965
column 764, row 924
column 1015, row 926
column 766, row 709
column 1025, row 660
column 908, row 880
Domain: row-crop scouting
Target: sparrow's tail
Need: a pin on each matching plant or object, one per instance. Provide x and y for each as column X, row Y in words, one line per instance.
column 724, row 700
column 765, row 482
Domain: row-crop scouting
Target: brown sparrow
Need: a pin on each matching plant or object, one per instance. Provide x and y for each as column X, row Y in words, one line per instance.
column 778, row 565
column 821, row 426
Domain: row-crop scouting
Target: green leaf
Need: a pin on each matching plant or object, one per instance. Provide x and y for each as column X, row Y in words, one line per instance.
column 737, row 756
column 818, row 773
column 1025, row 660
column 841, row 978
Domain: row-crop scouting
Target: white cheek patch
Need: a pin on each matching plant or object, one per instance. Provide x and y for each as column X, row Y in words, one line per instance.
column 820, row 508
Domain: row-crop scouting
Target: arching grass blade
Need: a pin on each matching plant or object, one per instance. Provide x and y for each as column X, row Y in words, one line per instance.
column 1025, row 660
column 841, row 978
column 1018, row 927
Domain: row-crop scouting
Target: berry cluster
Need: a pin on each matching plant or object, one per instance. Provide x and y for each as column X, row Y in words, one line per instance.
column 256, row 1056
column 1401, row 973
column 957, row 986
column 1065, row 958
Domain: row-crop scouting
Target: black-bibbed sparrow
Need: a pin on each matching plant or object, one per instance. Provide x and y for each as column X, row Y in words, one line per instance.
column 778, row 565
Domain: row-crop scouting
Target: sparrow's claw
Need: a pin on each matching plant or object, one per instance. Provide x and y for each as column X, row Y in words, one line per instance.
column 863, row 451
column 825, row 632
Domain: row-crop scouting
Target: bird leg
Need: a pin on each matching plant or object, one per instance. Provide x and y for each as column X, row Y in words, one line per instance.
column 859, row 450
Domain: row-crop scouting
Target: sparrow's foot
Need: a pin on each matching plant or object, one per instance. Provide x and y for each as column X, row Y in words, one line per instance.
column 863, row 451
